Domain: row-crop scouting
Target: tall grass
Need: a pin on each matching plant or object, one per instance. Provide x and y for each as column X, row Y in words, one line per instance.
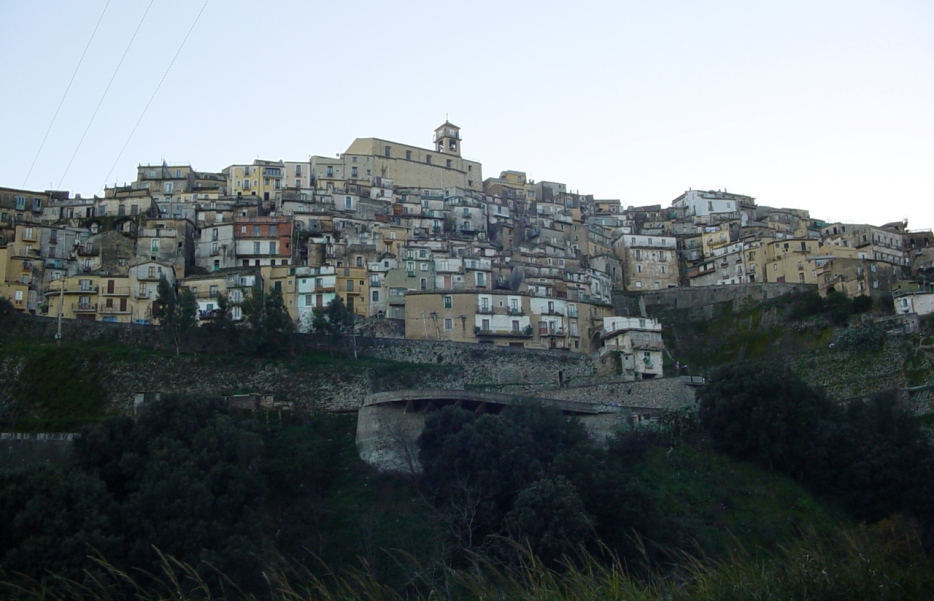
column 884, row 562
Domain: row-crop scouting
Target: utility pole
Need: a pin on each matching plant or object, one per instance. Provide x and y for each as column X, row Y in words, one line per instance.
column 61, row 307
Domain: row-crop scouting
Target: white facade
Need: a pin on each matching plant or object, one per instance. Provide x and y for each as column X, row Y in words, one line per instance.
column 315, row 288
column 921, row 303
column 638, row 341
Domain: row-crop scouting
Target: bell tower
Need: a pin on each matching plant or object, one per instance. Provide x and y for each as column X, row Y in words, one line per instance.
column 448, row 139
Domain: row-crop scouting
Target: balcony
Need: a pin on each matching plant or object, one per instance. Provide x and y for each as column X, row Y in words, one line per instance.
column 552, row 311
column 149, row 276
column 115, row 310
column 25, row 251
column 503, row 334
column 141, row 294
column 84, row 307
column 551, row 333
column 485, row 310
column 116, row 291
column 71, row 288
column 54, row 264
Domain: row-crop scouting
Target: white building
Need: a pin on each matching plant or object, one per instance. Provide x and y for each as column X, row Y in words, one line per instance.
column 638, row 342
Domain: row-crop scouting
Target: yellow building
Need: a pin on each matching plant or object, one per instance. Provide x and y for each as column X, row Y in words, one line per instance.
column 407, row 166
column 504, row 318
column 787, row 261
column 263, row 179
column 16, row 280
column 74, row 297
column 282, row 278
column 353, row 289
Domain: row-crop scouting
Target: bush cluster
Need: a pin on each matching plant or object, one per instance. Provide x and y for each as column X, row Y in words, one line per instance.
column 873, row 454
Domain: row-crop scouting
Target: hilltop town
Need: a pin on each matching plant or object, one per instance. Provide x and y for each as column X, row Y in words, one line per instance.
column 417, row 236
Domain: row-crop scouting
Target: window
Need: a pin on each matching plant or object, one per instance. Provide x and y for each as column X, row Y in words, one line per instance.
column 408, row 155
column 256, row 248
column 448, row 302
column 353, row 171
column 20, row 203
column 214, row 249
column 272, row 248
column 349, row 285
column 387, row 151
column 330, row 171
column 481, row 279
column 256, row 230
column 348, row 202
column 272, row 231
column 448, row 324
column 212, row 292
column 448, row 163
column 484, row 303
column 154, row 245
column 374, row 296
column 428, row 159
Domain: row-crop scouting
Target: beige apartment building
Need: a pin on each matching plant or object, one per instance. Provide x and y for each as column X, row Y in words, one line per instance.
column 504, row 318
column 407, row 166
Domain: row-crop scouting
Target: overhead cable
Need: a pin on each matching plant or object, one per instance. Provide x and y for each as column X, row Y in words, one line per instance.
column 104, row 95
column 154, row 92
column 62, row 101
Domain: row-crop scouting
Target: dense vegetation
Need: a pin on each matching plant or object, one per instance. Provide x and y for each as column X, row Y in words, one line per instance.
column 872, row 454
column 189, row 497
column 770, row 491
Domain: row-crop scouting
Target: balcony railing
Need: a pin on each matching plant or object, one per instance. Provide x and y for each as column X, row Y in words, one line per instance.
column 546, row 333
column 141, row 294
column 149, row 276
column 71, row 289
column 23, row 251
column 84, row 307
column 116, row 291
column 504, row 333
column 115, row 310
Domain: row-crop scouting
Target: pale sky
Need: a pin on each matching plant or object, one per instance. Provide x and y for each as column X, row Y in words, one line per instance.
column 825, row 106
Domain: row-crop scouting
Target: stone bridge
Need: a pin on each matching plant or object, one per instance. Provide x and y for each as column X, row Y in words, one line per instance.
column 389, row 423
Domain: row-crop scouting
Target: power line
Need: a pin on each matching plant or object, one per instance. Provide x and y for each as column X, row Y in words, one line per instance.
column 104, row 95
column 62, row 101
column 154, row 92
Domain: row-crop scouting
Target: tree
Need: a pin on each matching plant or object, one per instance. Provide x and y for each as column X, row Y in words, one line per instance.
column 187, row 480
column 176, row 313
column 475, row 468
column 270, row 325
column 763, row 413
column 223, row 326
column 549, row 518
column 885, row 462
column 335, row 320
column 6, row 315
